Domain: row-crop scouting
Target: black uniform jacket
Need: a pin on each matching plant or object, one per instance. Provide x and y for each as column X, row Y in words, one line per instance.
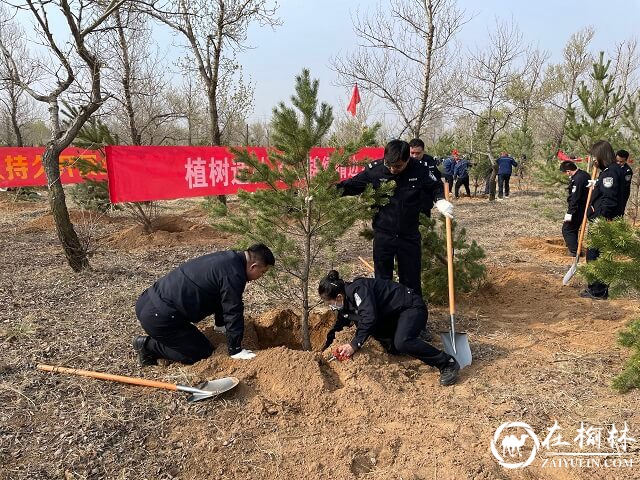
column 369, row 301
column 606, row 200
column 577, row 198
column 416, row 190
column 211, row 284
column 627, row 173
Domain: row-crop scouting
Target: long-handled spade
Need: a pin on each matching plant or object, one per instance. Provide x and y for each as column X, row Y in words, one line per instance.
column 572, row 270
column 206, row 389
column 455, row 344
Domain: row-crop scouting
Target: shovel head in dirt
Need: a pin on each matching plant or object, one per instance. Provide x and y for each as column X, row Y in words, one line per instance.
column 457, row 346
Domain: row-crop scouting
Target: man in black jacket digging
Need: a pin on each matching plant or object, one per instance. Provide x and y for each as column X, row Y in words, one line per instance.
column 209, row 285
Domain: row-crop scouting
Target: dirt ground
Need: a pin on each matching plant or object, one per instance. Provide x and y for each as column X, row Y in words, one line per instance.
column 540, row 354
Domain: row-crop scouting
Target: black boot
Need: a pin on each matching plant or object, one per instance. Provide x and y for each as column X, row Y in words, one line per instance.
column 449, row 373
column 145, row 358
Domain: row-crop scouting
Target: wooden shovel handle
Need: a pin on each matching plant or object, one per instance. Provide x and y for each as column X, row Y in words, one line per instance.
column 107, row 376
column 583, row 227
column 367, row 264
column 452, row 297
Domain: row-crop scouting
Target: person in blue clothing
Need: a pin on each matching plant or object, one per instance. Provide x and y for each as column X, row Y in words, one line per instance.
column 448, row 166
column 461, row 176
column 505, row 167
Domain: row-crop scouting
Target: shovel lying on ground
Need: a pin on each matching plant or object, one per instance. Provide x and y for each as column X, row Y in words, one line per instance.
column 206, row 389
column 455, row 344
column 572, row 270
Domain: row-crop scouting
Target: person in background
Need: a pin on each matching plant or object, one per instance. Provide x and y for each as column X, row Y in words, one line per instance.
column 448, row 166
column 577, row 190
column 622, row 157
column 416, row 151
column 605, row 203
column 209, row 285
column 461, row 176
column 387, row 311
column 505, row 168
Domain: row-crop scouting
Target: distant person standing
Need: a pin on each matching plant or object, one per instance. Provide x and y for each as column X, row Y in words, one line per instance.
column 577, row 190
column 505, row 168
column 448, row 166
column 622, row 157
column 416, row 151
column 461, row 176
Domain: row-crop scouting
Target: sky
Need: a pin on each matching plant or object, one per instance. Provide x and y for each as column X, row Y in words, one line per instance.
column 314, row 31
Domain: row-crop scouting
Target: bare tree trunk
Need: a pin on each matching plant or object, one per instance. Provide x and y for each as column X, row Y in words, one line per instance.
column 73, row 250
column 13, row 113
column 306, row 337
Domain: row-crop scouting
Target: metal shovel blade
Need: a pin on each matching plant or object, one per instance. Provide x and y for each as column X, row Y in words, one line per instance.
column 457, row 346
column 570, row 273
column 209, row 388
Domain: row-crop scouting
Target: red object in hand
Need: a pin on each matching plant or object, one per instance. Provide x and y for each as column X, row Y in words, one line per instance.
column 340, row 357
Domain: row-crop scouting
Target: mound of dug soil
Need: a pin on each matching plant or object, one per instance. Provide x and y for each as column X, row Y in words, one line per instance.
column 284, row 327
column 168, row 231
column 545, row 246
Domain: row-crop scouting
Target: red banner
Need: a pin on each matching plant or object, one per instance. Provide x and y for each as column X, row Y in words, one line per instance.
column 22, row 166
column 160, row 173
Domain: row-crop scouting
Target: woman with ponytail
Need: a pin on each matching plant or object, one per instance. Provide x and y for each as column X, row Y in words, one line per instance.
column 387, row 311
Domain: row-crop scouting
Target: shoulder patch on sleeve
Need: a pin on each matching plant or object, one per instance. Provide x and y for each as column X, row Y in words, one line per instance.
column 357, row 299
column 607, row 182
column 573, row 190
column 627, row 178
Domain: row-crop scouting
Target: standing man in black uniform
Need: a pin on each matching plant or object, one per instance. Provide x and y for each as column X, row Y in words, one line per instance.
column 622, row 156
column 416, row 151
column 395, row 225
column 576, row 203
column 211, row 284
column 387, row 311
column 605, row 203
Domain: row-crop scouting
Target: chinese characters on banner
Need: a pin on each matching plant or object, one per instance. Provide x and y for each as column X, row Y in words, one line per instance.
column 22, row 166
column 160, row 173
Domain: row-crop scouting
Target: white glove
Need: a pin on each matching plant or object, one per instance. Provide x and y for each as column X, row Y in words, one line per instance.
column 592, row 183
column 567, row 217
column 244, row 354
column 222, row 329
column 445, row 208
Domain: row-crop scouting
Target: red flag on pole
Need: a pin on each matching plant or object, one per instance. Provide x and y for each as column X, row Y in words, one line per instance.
column 355, row 99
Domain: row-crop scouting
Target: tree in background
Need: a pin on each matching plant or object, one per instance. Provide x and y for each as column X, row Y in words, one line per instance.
column 619, row 266
column 593, row 120
column 72, row 71
column 405, row 59
column 299, row 215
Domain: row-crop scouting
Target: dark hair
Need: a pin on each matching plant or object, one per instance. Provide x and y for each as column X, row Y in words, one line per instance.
column 622, row 154
column 331, row 286
column 604, row 154
column 568, row 166
column 416, row 142
column 396, row 151
column 260, row 253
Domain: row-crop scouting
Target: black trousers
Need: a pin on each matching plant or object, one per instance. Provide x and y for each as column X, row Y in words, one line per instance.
column 170, row 336
column 449, row 180
column 460, row 182
column 503, row 183
column 388, row 247
column 570, row 232
column 597, row 289
column 400, row 336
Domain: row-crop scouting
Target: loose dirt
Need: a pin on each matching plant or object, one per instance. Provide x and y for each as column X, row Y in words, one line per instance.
column 541, row 354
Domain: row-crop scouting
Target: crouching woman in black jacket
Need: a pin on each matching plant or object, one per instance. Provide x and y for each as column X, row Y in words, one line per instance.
column 387, row 311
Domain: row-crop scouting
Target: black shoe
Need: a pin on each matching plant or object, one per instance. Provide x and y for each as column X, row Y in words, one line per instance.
column 586, row 293
column 449, row 373
column 571, row 254
column 145, row 358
